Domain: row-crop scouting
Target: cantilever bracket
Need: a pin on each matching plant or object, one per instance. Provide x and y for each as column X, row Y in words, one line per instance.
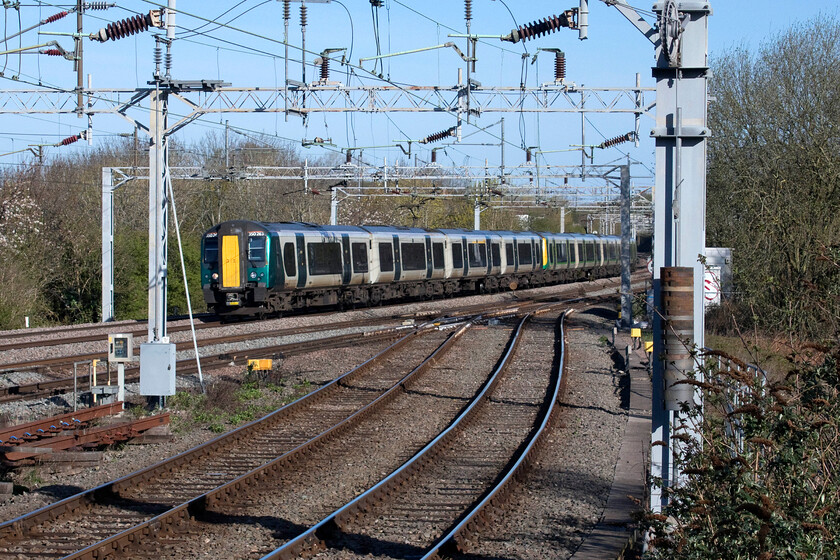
column 633, row 17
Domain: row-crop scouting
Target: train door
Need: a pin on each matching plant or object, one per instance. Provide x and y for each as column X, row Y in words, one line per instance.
column 428, row 256
column 301, row 260
column 397, row 259
column 345, row 257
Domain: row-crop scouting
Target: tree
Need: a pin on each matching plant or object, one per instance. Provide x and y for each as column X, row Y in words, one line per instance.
column 774, row 177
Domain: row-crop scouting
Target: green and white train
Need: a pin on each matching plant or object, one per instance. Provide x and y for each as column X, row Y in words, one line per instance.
column 251, row 268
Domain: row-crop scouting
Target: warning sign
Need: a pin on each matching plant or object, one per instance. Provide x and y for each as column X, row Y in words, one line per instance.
column 711, row 286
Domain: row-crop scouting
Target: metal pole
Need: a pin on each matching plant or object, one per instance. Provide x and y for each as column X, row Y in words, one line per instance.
column 158, row 205
column 680, row 135
column 333, row 206
column 78, row 62
column 121, row 382
column 107, row 245
column 286, row 16
column 626, row 294
column 476, row 216
column 502, row 168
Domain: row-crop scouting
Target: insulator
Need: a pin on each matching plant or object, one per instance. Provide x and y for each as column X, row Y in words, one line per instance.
column 349, row 157
column 325, row 68
column 543, row 26
column 434, row 156
column 96, row 6
column 55, row 17
column 168, row 65
column 287, row 10
column 303, row 10
column 438, row 136
column 559, row 66
column 124, row 28
column 158, row 55
column 70, row 139
column 52, row 52
column 468, row 9
column 617, row 140
column 527, row 156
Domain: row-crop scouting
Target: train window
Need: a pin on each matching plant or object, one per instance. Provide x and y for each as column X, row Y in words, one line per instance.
column 437, row 255
column 324, row 258
column 211, row 249
column 525, row 253
column 289, row 259
column 562, row 255
column 497, row 257
column 580, row 251
column 509, row 253
column 590, row 252
column 360, row 260
column 413, row 256
column 256, row 248
column 477, row 254
column 457, row 256
column 386, row 257
column 539, row 254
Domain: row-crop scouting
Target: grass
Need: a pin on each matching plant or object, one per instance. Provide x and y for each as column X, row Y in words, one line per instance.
column 227, row 404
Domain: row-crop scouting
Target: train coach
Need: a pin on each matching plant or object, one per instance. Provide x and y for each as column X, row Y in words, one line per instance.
column 251, row 268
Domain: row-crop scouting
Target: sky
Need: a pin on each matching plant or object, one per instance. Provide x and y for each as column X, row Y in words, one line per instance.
column 240, row 42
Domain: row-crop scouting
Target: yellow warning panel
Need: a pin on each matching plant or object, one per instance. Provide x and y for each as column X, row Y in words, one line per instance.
column 260, row 365
column 649, row 347
column 635, row 333
column 230, row 261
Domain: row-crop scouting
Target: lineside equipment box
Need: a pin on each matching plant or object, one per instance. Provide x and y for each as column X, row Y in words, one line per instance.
column 157, row 369
column 120, row 348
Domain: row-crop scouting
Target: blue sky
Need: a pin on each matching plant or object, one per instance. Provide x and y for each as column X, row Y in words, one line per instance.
column 247, row 52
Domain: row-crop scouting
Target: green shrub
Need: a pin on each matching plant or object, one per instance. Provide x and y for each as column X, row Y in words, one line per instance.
column 777, row 495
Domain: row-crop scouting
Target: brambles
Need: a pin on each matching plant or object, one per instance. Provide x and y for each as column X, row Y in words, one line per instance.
column 772, row 492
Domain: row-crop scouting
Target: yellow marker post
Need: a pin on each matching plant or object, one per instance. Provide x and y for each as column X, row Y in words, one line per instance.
column 636, row 336
column 260, row 365
column 649, row 347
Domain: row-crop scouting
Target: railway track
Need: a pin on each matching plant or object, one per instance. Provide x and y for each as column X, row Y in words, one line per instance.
column 188, row 366
column 60, row 529
column 433, row 504
column 133, row 499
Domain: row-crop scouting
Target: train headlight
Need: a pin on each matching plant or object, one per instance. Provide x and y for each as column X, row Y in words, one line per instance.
column 253, row 275
column 215, row 276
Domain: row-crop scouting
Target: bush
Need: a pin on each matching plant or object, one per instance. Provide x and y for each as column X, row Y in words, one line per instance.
column 774, row 495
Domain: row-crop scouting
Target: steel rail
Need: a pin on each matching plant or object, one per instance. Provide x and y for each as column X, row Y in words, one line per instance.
column 312, row 538
column 17, row 529
column 39, row 429
column 104, row 435
column 186, row 366
column 460, row 535
column 171, row 520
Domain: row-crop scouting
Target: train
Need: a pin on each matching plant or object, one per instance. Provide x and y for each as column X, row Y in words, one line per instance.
column 264, row 268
